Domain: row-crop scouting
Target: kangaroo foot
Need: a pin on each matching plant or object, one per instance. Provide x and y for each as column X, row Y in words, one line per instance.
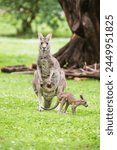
column 40, row 108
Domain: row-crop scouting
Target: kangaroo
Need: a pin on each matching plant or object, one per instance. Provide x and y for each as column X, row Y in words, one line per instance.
column 49, row 78
column 69, row 99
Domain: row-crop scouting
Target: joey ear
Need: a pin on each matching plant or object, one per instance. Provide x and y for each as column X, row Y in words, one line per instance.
column 40, row 36
column 49, row 36
column 81, row 96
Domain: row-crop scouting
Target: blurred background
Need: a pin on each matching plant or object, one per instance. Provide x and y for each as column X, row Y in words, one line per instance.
column 24, row 18
column 20, row 22
column 79, row 21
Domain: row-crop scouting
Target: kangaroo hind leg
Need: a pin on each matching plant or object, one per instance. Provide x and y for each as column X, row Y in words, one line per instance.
column 61, row 105
column 66, row 106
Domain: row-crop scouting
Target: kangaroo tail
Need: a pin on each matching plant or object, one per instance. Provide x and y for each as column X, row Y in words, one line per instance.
column 57, row 103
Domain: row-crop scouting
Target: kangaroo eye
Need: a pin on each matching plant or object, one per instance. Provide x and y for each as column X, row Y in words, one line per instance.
column 47, row 43
column 41, row 43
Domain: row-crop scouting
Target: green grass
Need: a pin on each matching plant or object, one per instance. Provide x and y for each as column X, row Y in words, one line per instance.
column 15, row 51
column 22, row 127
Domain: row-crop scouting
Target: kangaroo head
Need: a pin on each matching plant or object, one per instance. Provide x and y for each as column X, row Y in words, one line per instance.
column 83, row 101
column 44, row 44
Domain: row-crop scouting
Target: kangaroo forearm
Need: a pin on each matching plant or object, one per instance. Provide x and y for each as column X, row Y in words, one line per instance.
column 39, row 73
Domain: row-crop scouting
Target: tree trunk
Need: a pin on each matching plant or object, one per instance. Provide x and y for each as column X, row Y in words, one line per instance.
column 83, row 17
column 26, row 27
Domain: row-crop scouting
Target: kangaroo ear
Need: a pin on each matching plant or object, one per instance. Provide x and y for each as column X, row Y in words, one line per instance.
column 81, row 96
column 40, row 36
column 49, row 36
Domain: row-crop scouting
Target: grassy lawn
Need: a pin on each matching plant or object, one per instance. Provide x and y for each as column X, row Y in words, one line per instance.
column 22, row 127
column 24, row 51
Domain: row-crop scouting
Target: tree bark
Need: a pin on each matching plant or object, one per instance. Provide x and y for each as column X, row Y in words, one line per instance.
column 83, row 17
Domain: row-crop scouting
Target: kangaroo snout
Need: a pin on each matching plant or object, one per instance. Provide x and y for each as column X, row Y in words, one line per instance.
column 44, row 48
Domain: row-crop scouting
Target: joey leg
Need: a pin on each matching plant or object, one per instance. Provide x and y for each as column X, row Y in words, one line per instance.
column 66, row 106
column 61, row 106
column 73, row 110
column 58, row 107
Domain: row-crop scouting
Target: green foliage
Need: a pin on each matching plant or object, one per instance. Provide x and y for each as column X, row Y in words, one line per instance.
column 6, row 27
column 32, row 16
column 51, row 10
column 24, row 10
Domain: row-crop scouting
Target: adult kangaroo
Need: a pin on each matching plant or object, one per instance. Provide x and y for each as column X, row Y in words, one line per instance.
column 49, row 78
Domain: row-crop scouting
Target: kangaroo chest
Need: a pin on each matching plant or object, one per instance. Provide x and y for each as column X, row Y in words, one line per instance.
column 45, row 66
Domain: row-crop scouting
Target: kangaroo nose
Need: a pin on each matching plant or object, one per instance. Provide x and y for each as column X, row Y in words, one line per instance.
column 44, row 48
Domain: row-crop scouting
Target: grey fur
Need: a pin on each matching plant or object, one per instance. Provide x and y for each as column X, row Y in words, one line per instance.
column 49, row 78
